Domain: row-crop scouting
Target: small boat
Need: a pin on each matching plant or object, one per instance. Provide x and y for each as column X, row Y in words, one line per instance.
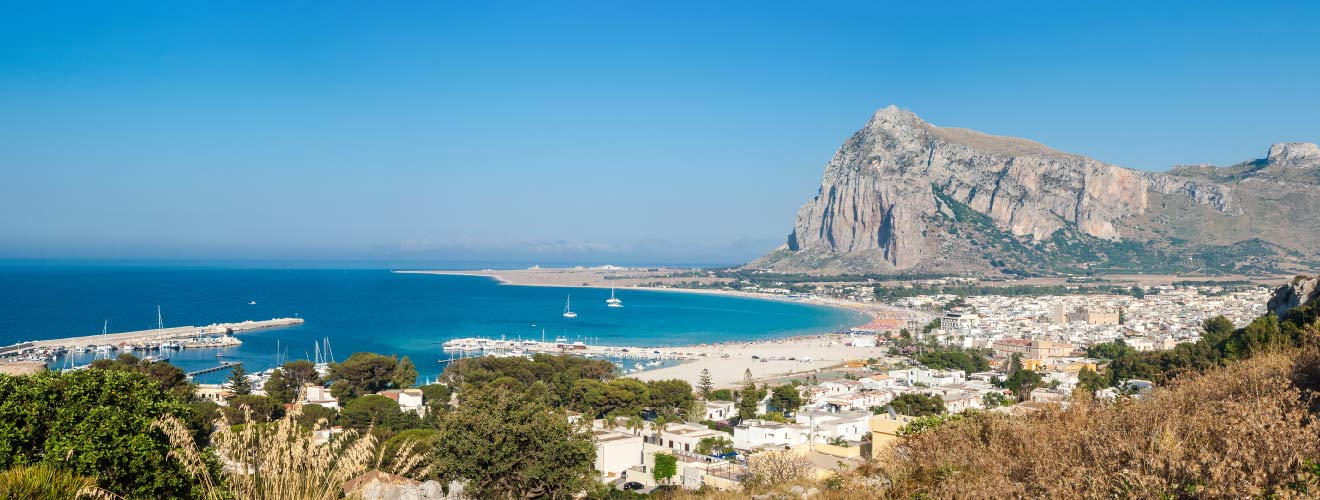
column 613, row 301
column 639, row 367
column 653, row 363
column 252, row 302
column 568, row 309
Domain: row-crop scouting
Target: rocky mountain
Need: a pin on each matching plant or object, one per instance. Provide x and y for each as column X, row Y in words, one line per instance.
column 904, row 196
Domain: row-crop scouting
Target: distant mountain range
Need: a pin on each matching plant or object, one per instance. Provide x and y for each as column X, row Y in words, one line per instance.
column 902, row 196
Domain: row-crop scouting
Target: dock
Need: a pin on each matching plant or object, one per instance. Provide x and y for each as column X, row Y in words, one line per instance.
column 177, row 333
column 224, row 365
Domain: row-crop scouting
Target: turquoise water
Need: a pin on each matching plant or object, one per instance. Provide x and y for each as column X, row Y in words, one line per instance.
column 373, row 310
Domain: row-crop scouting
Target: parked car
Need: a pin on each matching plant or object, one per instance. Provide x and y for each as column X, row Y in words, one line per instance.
column 633, row 486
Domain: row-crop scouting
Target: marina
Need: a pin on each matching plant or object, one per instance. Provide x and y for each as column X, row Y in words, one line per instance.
column 156, row 340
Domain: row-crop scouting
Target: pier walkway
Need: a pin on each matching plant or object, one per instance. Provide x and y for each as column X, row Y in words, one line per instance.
column 224, row 365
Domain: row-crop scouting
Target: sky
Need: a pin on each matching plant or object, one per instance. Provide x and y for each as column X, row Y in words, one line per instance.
column 565, row 132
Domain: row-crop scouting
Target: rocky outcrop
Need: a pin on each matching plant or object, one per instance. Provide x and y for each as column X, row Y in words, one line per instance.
column 1216, row 195
column 1293, row 155
column 1299, row 292
column 902, row 194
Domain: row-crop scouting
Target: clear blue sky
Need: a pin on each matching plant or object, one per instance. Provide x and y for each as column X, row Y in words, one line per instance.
column 607, row 131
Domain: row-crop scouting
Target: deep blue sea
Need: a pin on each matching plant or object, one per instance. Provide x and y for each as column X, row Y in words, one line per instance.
column 372, row 310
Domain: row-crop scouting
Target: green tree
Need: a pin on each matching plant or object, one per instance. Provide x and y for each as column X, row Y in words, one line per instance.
column 405, row 375
column 1090, row 381
column 506, row 445
column 436, row 395
column 363, row 373
column 370, row 410
column 786, row 399
column 748, row 397
column 917, row 405
column 94, row 423
column 312, row 414
column 281, row 388
column 170, row 377
column 994, row 399
column 421, row 441
column 262, row 409
column 301, row 373
column 1022, row 382
column 238, row 381
column 704, row 384
column 666, row 466
column 670, row 397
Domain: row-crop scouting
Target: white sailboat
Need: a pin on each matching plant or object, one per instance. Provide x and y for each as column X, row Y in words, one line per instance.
column 568, row 309
column 613, row 301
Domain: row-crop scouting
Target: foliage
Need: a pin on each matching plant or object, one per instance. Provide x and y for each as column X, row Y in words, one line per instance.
column 377, row 411
column 504, row 444
column 311, row 416
column 557, row 373
column 917, row 405
column 363, row 373
column 620, row 396
column 280, row 388
column 994, row 399
column 669, row 397
column 748, row 397
column 171, row 378
column 41, row 482
column 1022, row 382
column 95, row 423
column 930, row 422
column 436, row 395
column 420, row 442
column 666, row 466
column 722, row 395
column 714, row 446
column 704, row 384
column 252, row 408
column 238, row 381
column 785, row 398
column 970, row 361
column 405, row 374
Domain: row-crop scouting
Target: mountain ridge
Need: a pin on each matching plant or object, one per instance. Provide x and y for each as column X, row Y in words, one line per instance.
column 903, row 195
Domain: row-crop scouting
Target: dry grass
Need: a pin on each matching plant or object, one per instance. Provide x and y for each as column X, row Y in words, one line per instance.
column 280, row 460
column 1244, row 431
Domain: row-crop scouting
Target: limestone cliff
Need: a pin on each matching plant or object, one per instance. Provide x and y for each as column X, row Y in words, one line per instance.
column 904, row 195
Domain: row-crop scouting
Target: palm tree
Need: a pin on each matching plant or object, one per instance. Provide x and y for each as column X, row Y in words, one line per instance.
column 661, row 425
column 636, row 425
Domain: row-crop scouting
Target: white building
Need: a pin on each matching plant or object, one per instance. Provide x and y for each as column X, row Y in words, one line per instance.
column 616, row 452
column 684, row 437
column 408, row 399
column 319, row 395
column 753, row 433
column 720, row 410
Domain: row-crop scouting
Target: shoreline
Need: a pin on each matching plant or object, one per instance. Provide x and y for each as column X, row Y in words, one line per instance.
column 728, row 362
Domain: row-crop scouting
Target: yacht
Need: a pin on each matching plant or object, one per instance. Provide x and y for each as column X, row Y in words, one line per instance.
column 613, row 301
column 252, row 302
column 568, row 309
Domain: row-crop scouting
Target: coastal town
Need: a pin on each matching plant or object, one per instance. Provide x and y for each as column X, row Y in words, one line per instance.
column 829, row 401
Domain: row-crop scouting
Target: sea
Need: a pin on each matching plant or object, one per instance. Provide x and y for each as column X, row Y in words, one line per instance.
column 371, row 310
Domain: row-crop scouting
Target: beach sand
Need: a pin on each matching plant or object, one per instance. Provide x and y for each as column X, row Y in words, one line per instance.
column 811, row 353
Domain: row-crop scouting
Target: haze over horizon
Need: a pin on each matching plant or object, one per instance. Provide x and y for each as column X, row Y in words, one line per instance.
column 540, row 133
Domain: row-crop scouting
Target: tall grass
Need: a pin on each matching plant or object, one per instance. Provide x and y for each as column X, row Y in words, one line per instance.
column 280, row 460
column 43, row 482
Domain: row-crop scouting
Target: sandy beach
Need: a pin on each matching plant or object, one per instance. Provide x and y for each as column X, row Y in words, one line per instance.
column 727, row 362
column 765, row 359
